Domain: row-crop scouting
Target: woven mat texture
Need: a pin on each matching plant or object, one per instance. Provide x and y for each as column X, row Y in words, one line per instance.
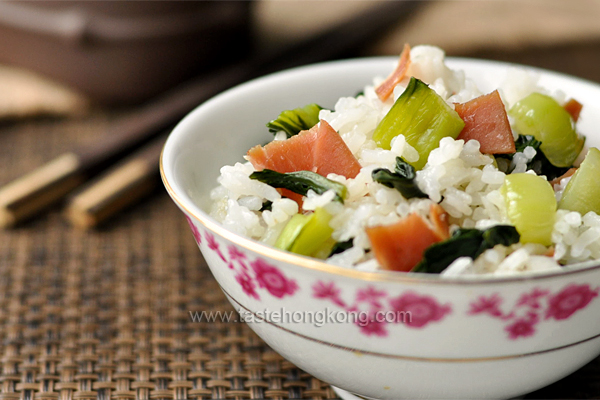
column 105, row 315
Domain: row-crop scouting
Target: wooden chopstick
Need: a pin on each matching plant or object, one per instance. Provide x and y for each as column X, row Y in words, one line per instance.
column 35, row 191
column 117, row 188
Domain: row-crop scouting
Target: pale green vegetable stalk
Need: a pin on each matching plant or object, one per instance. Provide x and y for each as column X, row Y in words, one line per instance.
column 308, row 235
column 423, row 117
column 531, row 206
column 542, row 117
column 582, row 193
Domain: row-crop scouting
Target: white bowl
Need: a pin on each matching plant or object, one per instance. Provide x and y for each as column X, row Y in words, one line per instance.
column 483, row 338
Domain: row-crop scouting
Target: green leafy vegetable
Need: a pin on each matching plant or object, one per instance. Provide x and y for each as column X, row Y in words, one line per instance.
column 296, row 120
column 340, row 247
column 403, row 180
column 527, row 140
column 301, row 182
column 539, row 164
column 266, row 205
column 465, row 243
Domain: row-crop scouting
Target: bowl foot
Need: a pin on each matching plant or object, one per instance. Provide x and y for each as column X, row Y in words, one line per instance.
column 345, row 395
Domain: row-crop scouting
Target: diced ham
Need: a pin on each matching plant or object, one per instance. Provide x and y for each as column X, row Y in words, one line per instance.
column 400, row 246
column 332, row 155
column 567, row 174
column 320, row 149
column 439, row 219
column 573, row 107
column 386, row 88
column 486, row 121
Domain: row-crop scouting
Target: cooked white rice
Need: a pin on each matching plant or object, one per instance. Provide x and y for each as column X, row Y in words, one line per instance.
column 457, row 174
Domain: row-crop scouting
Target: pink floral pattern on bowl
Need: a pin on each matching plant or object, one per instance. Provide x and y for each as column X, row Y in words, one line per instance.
column 423, row 309
column 195, row 231
column 272, row 279
column 378, row 308
column 533, row 306
column 251, row 275
column 412, row 309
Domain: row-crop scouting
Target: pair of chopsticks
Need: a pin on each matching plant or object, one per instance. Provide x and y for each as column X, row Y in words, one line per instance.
column 143, row 131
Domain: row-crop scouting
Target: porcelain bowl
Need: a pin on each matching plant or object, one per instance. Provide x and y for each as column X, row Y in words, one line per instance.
column 465, row 338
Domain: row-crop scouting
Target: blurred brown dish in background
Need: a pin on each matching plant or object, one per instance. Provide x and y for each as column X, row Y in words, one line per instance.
column 122, row 52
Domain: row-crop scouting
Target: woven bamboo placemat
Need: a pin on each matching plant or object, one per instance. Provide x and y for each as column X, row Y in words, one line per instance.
column 106, row 314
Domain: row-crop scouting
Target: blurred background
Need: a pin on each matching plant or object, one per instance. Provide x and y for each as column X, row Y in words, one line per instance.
column 124, row 52
column 77, row 305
